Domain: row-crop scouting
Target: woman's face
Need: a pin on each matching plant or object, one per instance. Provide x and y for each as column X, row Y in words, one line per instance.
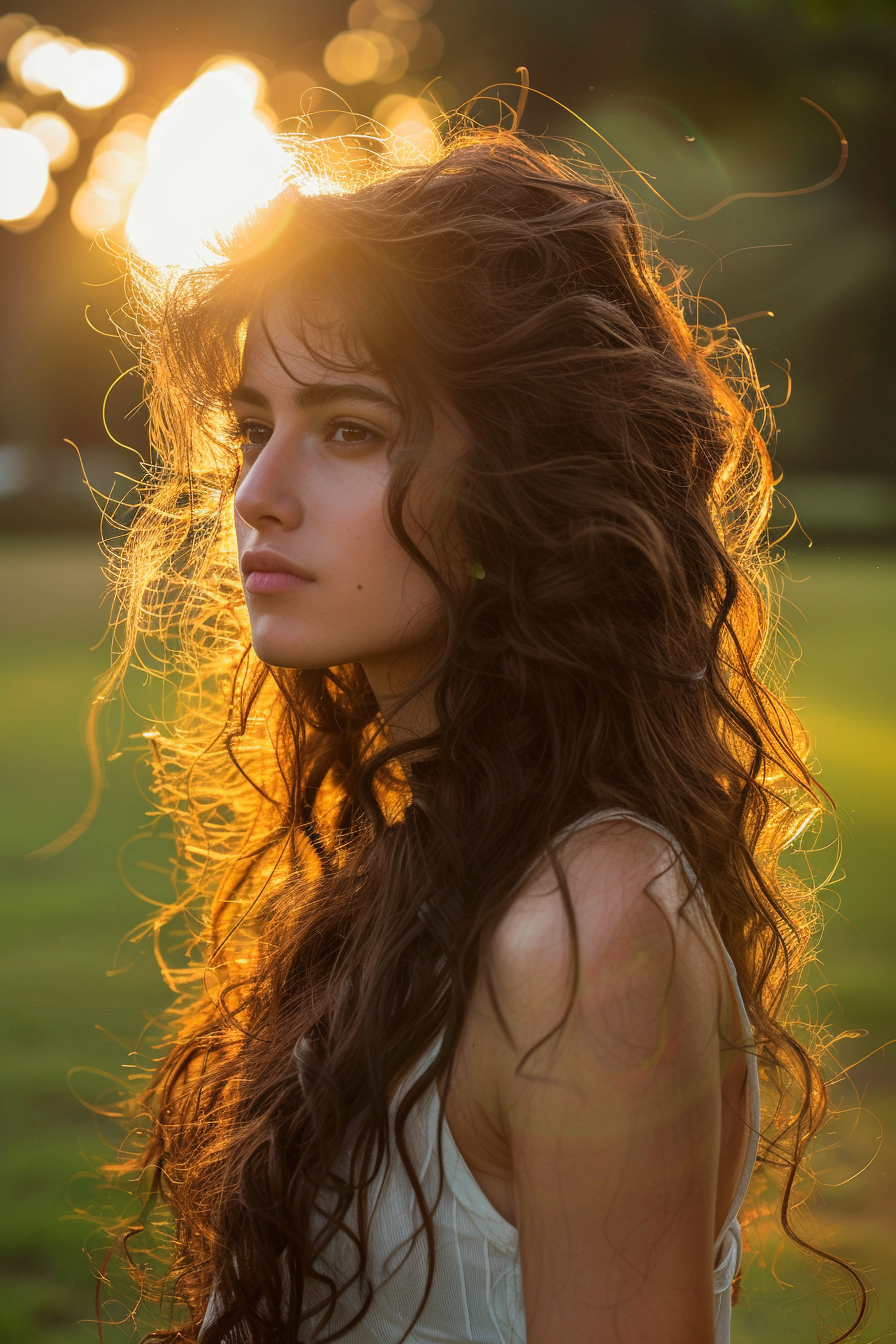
column 326, row 581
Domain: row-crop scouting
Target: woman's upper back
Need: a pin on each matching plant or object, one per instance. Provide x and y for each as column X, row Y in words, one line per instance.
column 481, row 1264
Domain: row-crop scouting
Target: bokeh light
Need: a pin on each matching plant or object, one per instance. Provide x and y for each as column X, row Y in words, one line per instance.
column 24, row 174
column 396, row 20
column 413, row 137
column 12, row 26
column 43, row 60
column 57, row 136
column 25, row 44
column 118, row 167
column 362, row 54
column 94, row 77
column 36, row 217
column 211, row 160
column 12, row 115
column 42, row 68
column 417, row 44
column 118, row 164
column 97, row 207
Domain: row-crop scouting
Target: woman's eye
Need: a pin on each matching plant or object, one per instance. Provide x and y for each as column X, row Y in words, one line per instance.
column 253, row 433
column 347, row 431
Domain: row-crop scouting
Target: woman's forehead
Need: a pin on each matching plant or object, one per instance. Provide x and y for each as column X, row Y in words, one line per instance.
column 290, row 326
column 275, row 353
column 312, row 337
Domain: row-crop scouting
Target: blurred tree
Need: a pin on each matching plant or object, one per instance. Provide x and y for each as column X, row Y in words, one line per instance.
column 702, row 95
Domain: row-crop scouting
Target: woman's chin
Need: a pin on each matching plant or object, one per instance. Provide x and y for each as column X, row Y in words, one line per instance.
column 280, row 653
column 279, row 649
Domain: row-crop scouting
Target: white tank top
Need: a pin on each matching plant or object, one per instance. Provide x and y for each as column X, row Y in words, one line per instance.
column 477, row 1291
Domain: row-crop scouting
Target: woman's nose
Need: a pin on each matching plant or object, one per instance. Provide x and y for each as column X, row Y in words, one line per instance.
column 267, row 493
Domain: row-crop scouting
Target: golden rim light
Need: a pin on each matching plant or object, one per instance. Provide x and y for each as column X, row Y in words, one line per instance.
column 167, row 186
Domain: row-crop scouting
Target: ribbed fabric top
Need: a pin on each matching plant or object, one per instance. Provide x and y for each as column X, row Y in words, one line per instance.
column 477, row 1291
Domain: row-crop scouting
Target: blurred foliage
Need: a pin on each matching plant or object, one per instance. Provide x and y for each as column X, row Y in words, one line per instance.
column 702, row 95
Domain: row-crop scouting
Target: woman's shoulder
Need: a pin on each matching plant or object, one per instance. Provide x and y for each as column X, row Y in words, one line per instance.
column 610, row 923
column 608, row 871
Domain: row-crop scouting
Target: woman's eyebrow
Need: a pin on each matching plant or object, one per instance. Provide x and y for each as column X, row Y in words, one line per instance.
column 319, row 394
column 249, row 396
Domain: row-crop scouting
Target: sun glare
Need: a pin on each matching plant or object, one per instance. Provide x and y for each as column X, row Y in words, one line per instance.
column 212, row 158
column 168, row 186
column 312, row 184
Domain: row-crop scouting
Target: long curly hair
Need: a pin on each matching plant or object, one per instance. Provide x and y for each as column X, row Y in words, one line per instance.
column 338, row 890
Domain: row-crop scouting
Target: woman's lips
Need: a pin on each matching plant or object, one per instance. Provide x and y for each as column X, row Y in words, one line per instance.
column 262, row 581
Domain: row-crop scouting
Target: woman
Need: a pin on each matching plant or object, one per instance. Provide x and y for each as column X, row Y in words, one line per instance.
column 485, row 825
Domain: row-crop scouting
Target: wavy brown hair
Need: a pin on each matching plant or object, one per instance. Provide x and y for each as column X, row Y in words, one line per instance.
column 339, row 889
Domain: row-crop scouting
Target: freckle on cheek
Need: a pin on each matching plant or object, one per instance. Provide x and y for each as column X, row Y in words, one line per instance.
column 359, row 585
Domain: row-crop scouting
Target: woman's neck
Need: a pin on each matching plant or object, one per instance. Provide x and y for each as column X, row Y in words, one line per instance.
column 407, row 717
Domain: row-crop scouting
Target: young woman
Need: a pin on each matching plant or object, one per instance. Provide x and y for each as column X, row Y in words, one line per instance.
column 454, row 539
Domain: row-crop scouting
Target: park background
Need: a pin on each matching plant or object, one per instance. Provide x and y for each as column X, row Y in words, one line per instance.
column 703, row 97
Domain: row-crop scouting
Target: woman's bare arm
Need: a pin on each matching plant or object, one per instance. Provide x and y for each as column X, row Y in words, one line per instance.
column 614, row 1125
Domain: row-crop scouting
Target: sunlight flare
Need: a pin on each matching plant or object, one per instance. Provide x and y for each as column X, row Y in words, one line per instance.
column 212, row 158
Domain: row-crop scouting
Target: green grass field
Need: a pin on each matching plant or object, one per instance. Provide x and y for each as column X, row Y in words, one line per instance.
column 66, row 996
